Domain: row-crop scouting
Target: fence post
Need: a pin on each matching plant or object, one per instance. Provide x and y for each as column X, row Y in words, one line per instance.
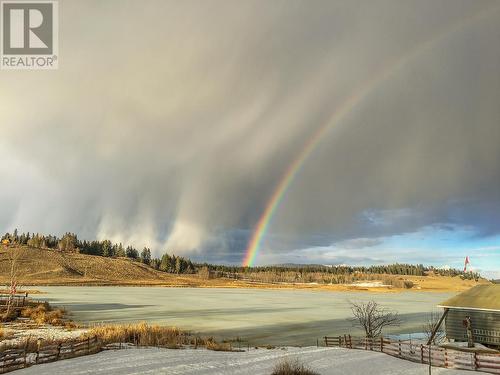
column 381, row 344
column 25, row 350
column 340, row 341
column 474, row 365
column 58, row 351
column 421, row 353
column 326, row 342
column 445, row 357
column 345, row 341
column 430, row 360
column 399, row 348
column 38, row 343
column 88, row 345
column 317, row 343
column 350, row 341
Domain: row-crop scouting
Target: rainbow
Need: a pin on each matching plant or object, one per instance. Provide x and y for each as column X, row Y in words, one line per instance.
column 345, row 108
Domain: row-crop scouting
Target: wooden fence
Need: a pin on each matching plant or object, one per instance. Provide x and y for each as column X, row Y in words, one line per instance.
column 437, row 356
column 13, row 359
column 16, row 300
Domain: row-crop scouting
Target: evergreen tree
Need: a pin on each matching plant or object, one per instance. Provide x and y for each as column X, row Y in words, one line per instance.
column 146, row 256
column 132, row 253
column 155, row 263
column 107, row 248
column 166, row 263
column 68, row 242
column 120, row 251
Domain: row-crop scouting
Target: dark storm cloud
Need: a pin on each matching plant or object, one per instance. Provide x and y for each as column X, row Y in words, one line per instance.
column 170, row 123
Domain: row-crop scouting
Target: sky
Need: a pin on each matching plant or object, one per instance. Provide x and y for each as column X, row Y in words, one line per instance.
column 170, row 125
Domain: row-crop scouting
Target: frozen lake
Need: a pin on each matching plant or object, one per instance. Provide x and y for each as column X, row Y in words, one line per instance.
column 284, row 317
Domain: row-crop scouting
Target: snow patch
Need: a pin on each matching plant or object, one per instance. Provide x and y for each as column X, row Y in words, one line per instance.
column 326, row 361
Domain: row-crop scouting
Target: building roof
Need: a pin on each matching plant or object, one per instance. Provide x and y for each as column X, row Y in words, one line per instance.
column 480, row 297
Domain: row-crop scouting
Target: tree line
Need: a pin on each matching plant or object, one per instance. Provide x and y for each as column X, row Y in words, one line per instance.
column 69, row 242
column 335, row 274
column 469, row 275
column 390, row 269
column 340, row 274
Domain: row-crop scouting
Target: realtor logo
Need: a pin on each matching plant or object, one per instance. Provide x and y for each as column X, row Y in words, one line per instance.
column 29, row 37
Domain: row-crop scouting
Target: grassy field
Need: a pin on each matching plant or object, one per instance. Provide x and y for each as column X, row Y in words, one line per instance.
column 52, row 267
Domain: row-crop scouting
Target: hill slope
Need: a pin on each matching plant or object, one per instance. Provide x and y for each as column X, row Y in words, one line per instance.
column 53, row 267
column 43, row 266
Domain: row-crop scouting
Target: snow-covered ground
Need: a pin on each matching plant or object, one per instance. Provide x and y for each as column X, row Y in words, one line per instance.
column 20, row 332
column 325, row 361
column 370, row 284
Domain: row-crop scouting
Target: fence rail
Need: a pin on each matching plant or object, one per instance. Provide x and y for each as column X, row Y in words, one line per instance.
column 17, row 301
column 435, row 355
column 31, row 354
column 13, row 359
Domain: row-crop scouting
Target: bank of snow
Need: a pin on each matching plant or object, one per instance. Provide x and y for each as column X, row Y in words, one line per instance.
column 325, row 361
column 18, row 333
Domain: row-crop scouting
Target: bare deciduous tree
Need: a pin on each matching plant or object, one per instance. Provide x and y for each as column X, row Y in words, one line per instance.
column 373, row 318
column 14, row 255
column 430, row 325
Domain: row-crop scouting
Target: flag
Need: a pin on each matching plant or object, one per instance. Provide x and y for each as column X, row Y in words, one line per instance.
column 466, row 263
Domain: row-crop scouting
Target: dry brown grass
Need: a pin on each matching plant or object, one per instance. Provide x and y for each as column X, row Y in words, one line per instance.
column 288, row 366
column 52, row 267
column 398, row 282
column 11, row 316
column 144, row 334
column 44, row 314
column 218, row 347
column 140, row 334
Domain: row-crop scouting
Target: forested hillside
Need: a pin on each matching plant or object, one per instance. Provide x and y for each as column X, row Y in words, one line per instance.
column 48, row 259
column 69, row 243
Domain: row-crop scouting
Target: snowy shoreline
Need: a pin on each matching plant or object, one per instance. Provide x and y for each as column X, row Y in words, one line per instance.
column 18, row 333
column 326, row 361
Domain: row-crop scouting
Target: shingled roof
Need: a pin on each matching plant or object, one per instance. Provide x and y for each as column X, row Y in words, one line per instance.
column 480, row 297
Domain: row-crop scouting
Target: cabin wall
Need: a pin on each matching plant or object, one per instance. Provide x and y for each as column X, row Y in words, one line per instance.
column 485, row 326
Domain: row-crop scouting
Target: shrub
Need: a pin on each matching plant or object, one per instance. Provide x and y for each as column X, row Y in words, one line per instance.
column 398, row 282
column 140, row 334
column 44, row 314
column 9, row 317
column 408, row 284
column 219, row 347
column 291, row 367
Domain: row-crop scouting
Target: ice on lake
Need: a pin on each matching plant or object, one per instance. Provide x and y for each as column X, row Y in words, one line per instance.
column 261, row 316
